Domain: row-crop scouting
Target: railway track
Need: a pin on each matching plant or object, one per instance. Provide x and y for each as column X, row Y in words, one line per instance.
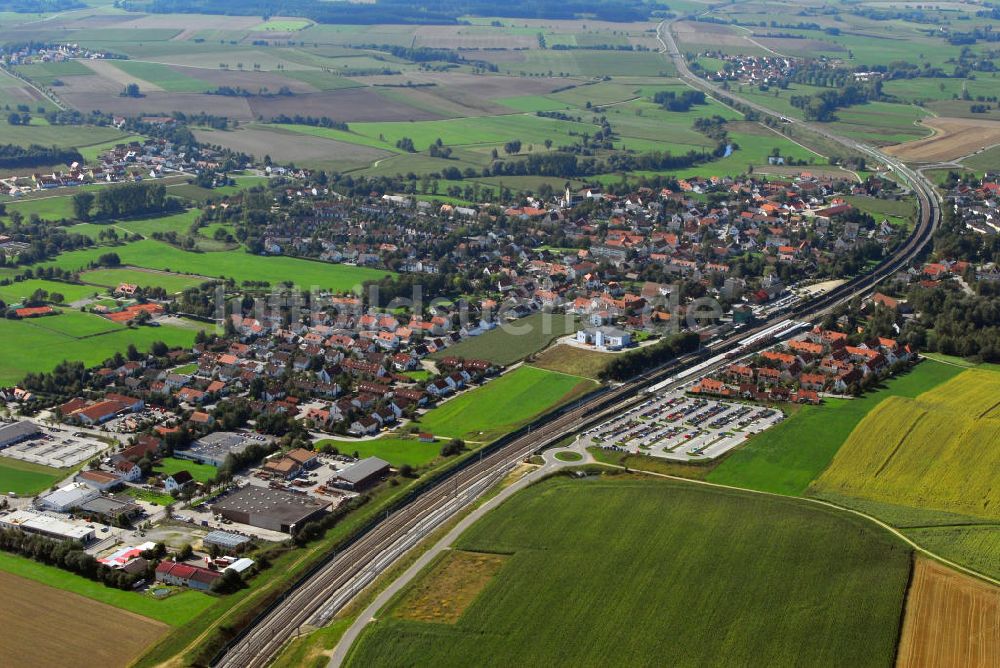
column 345, row 572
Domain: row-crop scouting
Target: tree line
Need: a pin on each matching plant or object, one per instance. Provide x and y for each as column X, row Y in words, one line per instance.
column 35, row 155
column 127, row 199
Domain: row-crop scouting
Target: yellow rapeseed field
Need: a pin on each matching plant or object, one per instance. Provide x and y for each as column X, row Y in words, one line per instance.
column 939, row 451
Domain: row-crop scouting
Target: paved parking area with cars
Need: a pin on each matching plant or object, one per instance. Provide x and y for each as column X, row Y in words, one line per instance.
column 682, row 428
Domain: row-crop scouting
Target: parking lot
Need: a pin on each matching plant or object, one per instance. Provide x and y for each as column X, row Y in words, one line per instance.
column 681, row 428
column 58, row 448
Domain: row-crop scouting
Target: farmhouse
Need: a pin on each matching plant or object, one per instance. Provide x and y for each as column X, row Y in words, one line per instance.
column 184, row 575
column 269, row 508
column 102, row 481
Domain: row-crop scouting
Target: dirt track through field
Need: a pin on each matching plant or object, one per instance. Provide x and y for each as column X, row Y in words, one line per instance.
column 44, row 626
column 951, row 620
column 953, row 138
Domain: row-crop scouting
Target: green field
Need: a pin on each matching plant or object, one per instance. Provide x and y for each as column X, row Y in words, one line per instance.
column 484, row 130
column 175, row 610
column 45, row 73
column 39, row 344
column 283, row 25
column 163, row 76
column 503, row 404
column 237, row 264
column 572, row 360
column 644, row 572
column 200, row 472
column 513, row 341
column 789, row 456
column 987, row 160
column 112, row 278
column 156, row 498
column 16, row 292
column 975, row 546
column 25, row 478
column 57, row 135
column 395, row 450
column 935, row 451
column 892, row 209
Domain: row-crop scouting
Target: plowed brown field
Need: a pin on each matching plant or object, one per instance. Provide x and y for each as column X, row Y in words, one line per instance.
column 44, row 626
column 951, row 620
column 953, row 138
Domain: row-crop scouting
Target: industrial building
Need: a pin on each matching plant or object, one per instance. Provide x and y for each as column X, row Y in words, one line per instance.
column 44, row 524
column 225, row 540
column 67, row 498
column 110, row 510
column 362, row 474
column 269, row 508
column 215, row 447
column 17, row 432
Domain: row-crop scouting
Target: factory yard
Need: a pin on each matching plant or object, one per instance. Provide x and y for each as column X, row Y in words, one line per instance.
column 675, row 426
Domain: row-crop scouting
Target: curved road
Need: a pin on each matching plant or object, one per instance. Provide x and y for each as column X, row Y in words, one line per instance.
column 343, row 574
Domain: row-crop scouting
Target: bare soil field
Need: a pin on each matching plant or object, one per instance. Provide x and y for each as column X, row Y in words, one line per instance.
column 160, row 103
column 953, row 138
column 44, row 626
column 97, row 83
column 708, row 33
column 447, row 37
column 191, row 22
column 285, row 146
column 349, row 104
column 92, row 21
column 797, row 47
column 951, row 620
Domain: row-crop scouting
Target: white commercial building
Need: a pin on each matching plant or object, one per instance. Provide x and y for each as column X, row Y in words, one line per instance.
column 43, row 524
column 67, row 498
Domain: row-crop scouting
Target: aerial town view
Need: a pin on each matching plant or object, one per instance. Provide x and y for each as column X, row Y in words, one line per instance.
column 395, row 333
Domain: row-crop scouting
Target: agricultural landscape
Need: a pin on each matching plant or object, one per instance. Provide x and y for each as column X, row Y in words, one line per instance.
column 403, row 333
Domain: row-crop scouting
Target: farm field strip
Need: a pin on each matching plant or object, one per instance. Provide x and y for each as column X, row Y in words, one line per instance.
column 668, row 552
column 502, row 404
column 241, row 266
column 934, row 451
column 77, row 627
column 951, row 620
column 787, row 458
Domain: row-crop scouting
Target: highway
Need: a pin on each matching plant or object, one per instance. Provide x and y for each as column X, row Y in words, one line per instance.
column 319, row 595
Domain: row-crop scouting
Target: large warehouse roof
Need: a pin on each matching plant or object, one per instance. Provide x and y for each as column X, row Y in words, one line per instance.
column 269, row 503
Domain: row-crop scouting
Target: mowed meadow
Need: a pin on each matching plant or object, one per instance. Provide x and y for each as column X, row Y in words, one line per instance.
column 503, row 404
column 39, row 344
column 236, row 264
column 649, row 572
